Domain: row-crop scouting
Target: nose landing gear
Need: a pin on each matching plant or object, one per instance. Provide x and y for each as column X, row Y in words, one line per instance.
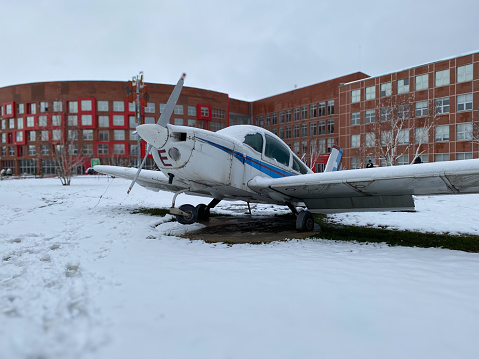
column 189, row 214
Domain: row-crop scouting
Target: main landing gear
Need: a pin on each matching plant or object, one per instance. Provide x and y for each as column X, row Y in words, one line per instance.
column 189, row 214
column 304, row 219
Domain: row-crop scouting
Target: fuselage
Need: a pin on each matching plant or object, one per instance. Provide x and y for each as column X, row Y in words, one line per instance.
column 222, row 163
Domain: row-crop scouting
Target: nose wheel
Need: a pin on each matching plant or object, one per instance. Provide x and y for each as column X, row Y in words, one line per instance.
column 188, row 214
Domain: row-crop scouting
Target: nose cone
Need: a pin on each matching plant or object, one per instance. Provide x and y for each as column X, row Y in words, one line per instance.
column 153, row 134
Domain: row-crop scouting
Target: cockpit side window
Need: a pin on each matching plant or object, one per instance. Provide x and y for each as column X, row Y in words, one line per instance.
column 299, row 166
column 255, row 141
column 277, row 150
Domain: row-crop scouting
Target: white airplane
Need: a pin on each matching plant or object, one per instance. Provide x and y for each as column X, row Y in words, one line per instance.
column 251, row 164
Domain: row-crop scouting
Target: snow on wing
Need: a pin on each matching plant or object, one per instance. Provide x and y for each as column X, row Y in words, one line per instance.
column 384, row 188
column 152, row 180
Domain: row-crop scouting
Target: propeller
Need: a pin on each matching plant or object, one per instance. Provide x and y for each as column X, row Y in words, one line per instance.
column 162, row 121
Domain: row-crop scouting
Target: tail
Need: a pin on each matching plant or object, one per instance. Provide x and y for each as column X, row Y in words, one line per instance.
column 334, row 161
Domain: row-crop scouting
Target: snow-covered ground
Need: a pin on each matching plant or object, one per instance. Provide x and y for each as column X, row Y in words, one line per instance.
column 82, row 277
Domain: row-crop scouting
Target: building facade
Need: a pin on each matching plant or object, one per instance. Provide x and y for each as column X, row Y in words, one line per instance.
column 94, row 119
column 428, row 112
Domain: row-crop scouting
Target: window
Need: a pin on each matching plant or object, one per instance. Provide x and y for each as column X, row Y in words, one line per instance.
column 178, row 121
column 370, row 116
column 42, row 121
column 178, row 109
column 73, row 106
column 118, row 106
column 403, row 86
column 421, row 135
column 281, row 132
column 102, row 149
column 321, row 127
column 402, row 160
column 321, row 109
column 312, row 111
column 296, row 147
column 386, row 138
column 44, row 136
column 439, row 157
column 421, row 109
column 268, row 119
column 88, row 149
column 442, row 105
column 86, row 120
column 288, row 132
column 355, row 163
column 88, row 135
column 296, row 114
column 403, row 112
column 45, row 149
column 32, row 150
column 104, row 121
column 86, row 105
column 30, row 121
column 274, row 118
column 255, row 141
column 20, row 108
column 43, row 106
column 56, row 135
column 403, row 136
column 355, row 118
column 321, row 145
column 32, row 136
column 296, row 131
column 355, row 141
column 385, row 114
column 119, row 148
column 464, row 102
column 330, row 126
column 72, row 120
column 150, row 120
column 304, row 130
column 370, row 140
column 102, row 106
column 132, row 121
column 32, row 108
column 118, row 120
column 131, row 106
column 103, row 135
column 72, row 135
column 464, row 131
column 277, row 150
column 57, row 106
column 386, row 89
column 330, row 107
column 4, row 138
column 464, row 156
column 11, row 123
column 304, row 112
column 329, row 144
column 370, row 93
column 205, row 111
column 464, row 73
column 312, row 129
column 133, row 150
column 442, row 78
column 288, row 115
column 19, row 136
column 442, row 133
column 20, row 123
column 192, row 111
column 4, row 124
column 150, row 107
column 422, row 82
column 281, row 116
column 355, row 96
column 119, row 135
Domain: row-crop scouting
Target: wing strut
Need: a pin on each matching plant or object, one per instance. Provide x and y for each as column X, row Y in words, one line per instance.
column 162, row 121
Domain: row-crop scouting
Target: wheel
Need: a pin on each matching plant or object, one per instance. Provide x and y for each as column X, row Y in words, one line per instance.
column 203, row 212
column 191, row 214
column 304, row 222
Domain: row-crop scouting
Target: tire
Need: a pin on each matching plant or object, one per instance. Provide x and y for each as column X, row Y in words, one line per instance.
column 203, row 212
column 191, row 214
column 304, row 222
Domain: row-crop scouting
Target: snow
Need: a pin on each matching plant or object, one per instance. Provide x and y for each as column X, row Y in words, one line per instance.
column 83, row 277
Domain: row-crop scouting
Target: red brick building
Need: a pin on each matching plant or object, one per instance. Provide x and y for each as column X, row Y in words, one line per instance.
column 428, row 111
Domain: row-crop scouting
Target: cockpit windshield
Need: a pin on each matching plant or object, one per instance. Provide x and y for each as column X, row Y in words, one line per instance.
column 277, row 150
column 255, row 141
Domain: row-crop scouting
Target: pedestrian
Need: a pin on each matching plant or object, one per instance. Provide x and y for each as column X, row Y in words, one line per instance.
column 369, row 164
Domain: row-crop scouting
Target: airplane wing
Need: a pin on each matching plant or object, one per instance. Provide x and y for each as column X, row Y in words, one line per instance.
column 372, row 189
column 152, row 180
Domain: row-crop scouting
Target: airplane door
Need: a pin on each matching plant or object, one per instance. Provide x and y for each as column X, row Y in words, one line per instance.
column 237, row 173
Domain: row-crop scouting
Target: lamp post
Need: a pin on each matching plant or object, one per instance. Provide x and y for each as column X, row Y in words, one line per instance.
column 137, row 93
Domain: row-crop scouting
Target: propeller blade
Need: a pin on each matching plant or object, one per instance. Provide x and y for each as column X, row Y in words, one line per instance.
column 170, row 105
column 139, row 169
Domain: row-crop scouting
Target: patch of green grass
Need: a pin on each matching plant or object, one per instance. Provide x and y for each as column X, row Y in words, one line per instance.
column 467, row 243
column 161, row 212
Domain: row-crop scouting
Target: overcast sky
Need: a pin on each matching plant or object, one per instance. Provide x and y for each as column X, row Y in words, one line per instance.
column 249, row 49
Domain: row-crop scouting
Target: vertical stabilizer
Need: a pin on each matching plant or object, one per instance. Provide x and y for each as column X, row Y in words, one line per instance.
column 334, row 161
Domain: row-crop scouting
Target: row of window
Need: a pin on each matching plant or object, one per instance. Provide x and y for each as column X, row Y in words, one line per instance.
column 321, row 127
column 464, row 132
column 319, row 109
column 421, row 109
column 316, row 147
column 441, row 78
column 103, row 106
column 86, row 149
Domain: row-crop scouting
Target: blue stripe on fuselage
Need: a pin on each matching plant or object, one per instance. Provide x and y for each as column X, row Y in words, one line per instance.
column 272, row 171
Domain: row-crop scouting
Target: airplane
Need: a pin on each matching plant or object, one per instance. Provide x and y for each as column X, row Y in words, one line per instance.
column 251, row 164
